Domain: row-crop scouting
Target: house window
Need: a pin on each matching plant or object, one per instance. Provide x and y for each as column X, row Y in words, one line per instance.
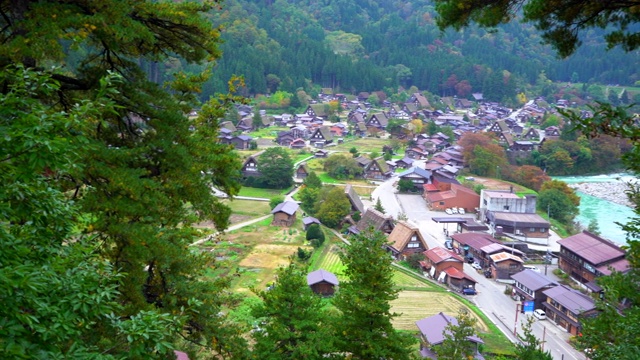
column 532, row 229
column 543, row 230
column 413, row 245
column 506, row 207
column 441, row 203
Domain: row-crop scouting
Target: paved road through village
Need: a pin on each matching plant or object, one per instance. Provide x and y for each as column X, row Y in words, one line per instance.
column 497, row 306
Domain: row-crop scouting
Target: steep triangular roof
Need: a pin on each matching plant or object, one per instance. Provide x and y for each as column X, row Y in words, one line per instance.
column 402, row 234
column 354, row 198
column 320, row 275
column 373, row 218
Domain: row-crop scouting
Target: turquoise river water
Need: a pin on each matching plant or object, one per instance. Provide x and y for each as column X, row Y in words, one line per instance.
column 605, row 212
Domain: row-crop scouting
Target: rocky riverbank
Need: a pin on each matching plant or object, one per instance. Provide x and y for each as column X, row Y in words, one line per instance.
column 611, row 191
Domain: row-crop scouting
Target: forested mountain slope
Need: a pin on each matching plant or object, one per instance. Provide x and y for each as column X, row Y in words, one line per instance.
column 368, row 45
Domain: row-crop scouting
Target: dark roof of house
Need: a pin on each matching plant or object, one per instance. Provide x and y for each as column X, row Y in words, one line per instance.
column 310, row 220
column 434, row 327
column 474, row 240
column 372, row 218
column 363, row 160
column 522, row 219
column 317, row 276
column 441, row 177
column 354, row 198
column 572, row 300
column 287, row 207
column 532, row 280
column 416, row 170
column 406, row 160
column 592, row 248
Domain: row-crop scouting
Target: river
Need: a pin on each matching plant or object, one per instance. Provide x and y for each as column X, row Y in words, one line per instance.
column 605, row 212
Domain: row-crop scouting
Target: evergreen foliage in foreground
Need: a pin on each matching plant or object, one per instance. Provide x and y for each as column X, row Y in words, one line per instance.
column 102, row 174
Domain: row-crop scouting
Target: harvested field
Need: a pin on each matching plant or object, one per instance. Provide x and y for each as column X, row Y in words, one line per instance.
column 268, row 256
column 416, row 305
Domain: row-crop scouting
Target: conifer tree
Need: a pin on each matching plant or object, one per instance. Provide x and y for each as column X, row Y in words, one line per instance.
column 292, row 320
column 364, row 327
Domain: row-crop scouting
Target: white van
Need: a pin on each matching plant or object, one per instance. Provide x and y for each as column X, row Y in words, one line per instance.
column 539, row 314
column 531, row 267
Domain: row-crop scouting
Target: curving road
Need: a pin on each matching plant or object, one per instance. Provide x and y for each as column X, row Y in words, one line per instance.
column 497, row 306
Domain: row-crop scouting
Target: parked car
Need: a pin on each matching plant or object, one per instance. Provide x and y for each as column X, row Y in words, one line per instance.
column 448, row 211
column 531, row 267
column 461, row 211
column 539, row 314
column 469, row 291
column 454, row 210
column 476, row 266
column 448, row 244
column 487, row 274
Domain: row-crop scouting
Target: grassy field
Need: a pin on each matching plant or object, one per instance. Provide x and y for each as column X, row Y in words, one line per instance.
column 261, row 193
column 364, row 145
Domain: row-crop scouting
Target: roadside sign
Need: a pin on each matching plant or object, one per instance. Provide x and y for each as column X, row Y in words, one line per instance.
column 528, row 306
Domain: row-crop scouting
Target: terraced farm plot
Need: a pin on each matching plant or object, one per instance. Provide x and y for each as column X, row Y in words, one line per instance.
column 416, row 305
column 330, row 261
column 404, row 280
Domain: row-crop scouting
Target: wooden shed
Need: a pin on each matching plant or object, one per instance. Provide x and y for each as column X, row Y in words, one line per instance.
column 322, row 282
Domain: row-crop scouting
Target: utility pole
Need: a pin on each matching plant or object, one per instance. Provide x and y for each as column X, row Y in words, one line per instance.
column 515, row 323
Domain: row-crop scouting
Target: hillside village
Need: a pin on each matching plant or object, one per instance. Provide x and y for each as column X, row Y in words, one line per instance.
column 497, row 231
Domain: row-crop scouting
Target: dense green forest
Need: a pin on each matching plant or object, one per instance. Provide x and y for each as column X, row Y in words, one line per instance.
column 355, row 46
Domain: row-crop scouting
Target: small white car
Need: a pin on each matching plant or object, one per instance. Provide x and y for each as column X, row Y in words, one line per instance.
column 476, row 266
column 461, row 211
column 454, row 210
column 539, row 314
column 531, row 267
column 448, row 211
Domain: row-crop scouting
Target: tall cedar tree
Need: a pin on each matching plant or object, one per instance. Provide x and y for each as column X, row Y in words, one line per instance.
column 276, row 168
column 292, row 320
column 613, row 333
column 146, row 171
column 364, row 328
column 313, row 181
column 57, row 293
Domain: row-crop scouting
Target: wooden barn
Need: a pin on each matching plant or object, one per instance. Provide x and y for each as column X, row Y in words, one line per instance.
column 322, row 282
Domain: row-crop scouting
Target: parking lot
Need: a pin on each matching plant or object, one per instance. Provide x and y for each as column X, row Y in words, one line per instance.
column 415, row 207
